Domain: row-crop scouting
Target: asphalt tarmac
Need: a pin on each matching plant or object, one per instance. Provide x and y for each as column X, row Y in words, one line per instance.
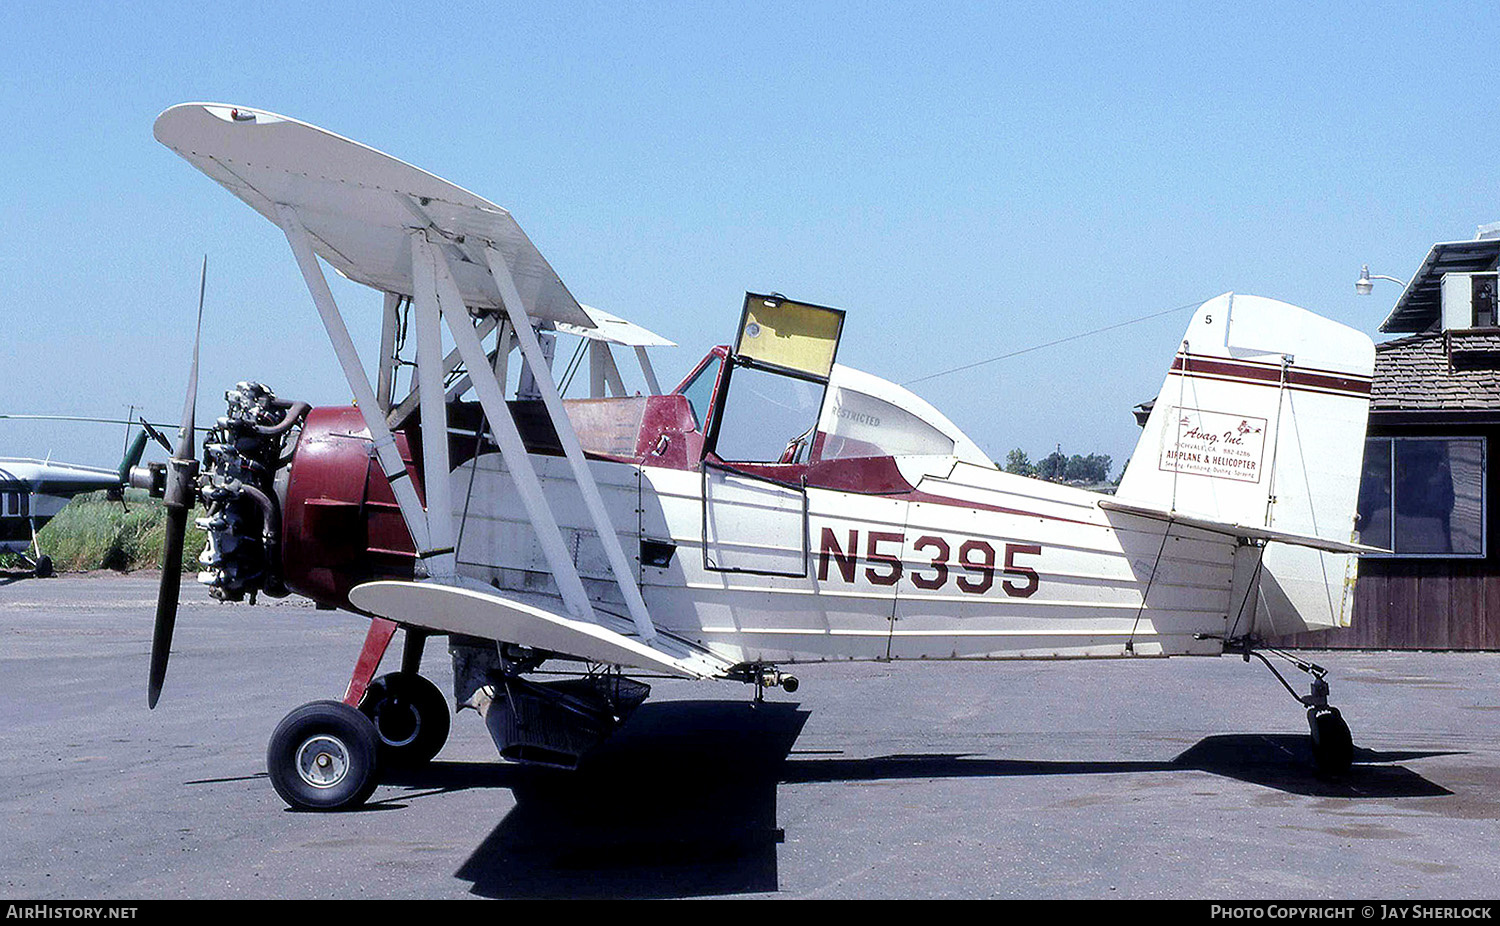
column 1181, row 778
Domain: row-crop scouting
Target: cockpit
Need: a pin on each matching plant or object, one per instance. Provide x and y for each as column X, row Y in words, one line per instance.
column 765, row 416
column 776, row 405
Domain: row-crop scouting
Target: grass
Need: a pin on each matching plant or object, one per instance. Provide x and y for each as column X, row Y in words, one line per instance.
column 95, row 533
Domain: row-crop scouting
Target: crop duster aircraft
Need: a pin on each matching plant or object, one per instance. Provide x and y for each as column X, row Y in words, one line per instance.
column 775, row 508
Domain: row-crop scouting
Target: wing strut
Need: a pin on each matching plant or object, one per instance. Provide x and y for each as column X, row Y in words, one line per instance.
column 503, row 427
column 364, row 396
column 587, row 487
column 443, row 562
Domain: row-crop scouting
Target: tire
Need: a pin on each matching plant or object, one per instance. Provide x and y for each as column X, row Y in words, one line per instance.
column 43, row 567
column 323, row 756
column 1333, row 748
column 410, row 716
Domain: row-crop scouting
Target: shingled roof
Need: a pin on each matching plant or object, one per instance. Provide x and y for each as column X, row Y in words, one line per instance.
column 1421, row 304
column 1438, row 371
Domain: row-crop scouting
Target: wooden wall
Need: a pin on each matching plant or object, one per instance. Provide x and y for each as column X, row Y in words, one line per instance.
column 1417, row 604
column 1438, row 604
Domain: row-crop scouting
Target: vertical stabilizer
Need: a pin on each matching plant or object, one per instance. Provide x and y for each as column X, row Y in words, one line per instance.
column 1261, row 422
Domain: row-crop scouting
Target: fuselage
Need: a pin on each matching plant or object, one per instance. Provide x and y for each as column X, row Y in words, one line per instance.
column 856, row 555
column 32, row 492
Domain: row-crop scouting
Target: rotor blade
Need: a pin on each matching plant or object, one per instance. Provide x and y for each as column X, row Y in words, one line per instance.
column 156, row 435
column 185, row 433
column 166, row 602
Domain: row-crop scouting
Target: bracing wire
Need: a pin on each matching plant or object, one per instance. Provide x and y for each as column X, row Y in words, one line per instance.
column 1054, row 343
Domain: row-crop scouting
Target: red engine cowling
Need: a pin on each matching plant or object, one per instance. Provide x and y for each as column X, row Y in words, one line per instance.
column 341, row 525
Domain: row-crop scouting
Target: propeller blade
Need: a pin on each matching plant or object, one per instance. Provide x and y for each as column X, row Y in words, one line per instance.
column 181, row 487
column 166, row 602
column 156, row 435
column 185, row 443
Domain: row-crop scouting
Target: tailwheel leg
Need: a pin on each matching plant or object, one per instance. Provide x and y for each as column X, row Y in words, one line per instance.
column 1332, row 745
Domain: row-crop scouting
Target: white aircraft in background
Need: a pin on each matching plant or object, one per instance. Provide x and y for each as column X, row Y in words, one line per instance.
column 32, row 492
column 775, row 508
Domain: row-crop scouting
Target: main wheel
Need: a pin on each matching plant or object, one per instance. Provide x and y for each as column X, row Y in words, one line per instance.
column 1333, row 748
column 410, row 716
column 43, row 567
column 323, row 756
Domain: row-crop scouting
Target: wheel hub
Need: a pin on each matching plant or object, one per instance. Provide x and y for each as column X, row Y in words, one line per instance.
column 322, row 761
column 398, row 722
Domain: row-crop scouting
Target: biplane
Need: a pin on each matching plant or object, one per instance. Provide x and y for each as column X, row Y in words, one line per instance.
column 776, row 508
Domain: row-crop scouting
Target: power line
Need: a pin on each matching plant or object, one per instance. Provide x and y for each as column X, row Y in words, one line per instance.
column 1071, row 337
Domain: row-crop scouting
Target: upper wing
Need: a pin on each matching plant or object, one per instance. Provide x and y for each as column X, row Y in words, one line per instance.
column 360, row 205
column 615, row 330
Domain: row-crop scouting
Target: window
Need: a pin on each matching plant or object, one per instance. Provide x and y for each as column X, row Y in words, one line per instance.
column 768, row 417
column 700, row 393
column 1482, row 297
column 861, row 425
column 1424, row 496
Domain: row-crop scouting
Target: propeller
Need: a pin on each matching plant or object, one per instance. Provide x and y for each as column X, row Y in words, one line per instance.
column 179, row 495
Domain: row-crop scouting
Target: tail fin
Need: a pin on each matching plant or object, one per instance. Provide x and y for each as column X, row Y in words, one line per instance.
column 132, row 456
column 1261, row 423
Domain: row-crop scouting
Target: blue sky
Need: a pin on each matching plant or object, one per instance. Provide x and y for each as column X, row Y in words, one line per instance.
column 965, row 179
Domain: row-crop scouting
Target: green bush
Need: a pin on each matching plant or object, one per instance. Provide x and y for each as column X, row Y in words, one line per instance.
column 96, row 533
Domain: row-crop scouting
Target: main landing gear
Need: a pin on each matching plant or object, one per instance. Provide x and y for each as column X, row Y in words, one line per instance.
column 1332, row 746
column 328, row 755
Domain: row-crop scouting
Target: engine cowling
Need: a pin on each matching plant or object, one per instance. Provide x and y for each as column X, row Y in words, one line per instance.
column 341, row 523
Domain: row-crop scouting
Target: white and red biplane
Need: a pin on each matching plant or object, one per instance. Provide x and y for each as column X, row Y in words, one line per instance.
column 775, row 508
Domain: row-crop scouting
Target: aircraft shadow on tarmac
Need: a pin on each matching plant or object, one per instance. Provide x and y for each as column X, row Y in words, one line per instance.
column 681, row 801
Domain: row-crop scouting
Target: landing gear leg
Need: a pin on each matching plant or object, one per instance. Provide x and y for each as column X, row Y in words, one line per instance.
column 409, row 712
column 1332, row 746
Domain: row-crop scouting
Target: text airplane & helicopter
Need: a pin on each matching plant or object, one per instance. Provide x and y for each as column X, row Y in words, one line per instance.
column 775, row 508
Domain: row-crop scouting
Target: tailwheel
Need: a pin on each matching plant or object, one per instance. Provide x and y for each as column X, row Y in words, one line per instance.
column 410, row 716
column 323, row 756
column 1332, row 745
column 1333, row 748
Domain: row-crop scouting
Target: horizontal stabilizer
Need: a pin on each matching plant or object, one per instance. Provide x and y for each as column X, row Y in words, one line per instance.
column 1241, row 531
column 491, row 616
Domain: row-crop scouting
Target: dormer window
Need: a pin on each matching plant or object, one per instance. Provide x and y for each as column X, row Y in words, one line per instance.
column 1469, row 300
